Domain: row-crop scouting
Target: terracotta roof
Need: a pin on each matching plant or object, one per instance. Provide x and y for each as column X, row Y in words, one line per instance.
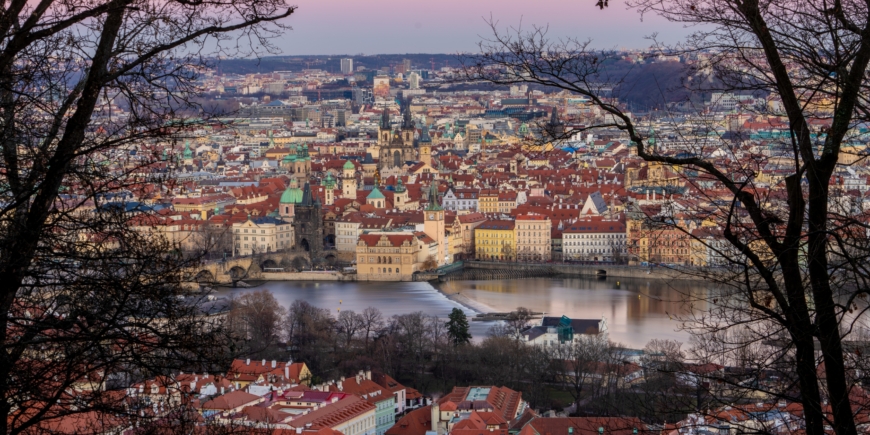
column 416, row 422
column 396, row 240
column 585, row 425
column 231, row 401
column 334, row 414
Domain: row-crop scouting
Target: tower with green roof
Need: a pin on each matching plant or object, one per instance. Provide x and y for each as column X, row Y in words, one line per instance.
column 348, row 180
column 187, row 155
column 376, row 198
column 433, row 222
column 329, row 188
column 289, row 199
column 400, row 195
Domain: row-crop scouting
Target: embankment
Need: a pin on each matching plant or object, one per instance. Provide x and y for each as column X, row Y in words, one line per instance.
column 481, row 270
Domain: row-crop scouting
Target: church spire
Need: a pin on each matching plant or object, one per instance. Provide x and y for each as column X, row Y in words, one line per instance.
column 385, row 119
column 424, row 135
column 555, row 126
column 433, row 198
column 406, row 116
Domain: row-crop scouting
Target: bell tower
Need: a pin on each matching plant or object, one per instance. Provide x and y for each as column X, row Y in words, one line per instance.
column 433, row 222
column 400, row 197
column 348, row 181
column 407, row 125
column 424, row 147
column 384, row 129
column 329, row 188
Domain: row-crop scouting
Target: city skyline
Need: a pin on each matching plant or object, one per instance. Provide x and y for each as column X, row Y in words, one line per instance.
column 322, row 28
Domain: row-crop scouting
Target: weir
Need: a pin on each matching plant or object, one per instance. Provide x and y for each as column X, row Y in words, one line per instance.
column 483, row 270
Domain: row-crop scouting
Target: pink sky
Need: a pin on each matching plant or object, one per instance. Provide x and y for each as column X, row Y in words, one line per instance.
column 449, row 26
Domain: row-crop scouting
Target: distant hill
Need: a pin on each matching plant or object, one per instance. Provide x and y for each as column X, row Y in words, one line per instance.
column 643, row 86
column 332, row 63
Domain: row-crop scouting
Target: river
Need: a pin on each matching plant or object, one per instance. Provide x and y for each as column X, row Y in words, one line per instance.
column 636, row 310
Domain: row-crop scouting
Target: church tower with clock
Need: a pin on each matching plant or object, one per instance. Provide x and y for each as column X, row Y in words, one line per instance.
column 433, row 222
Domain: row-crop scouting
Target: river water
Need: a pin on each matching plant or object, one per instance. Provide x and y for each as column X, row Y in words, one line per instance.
column 636, row 310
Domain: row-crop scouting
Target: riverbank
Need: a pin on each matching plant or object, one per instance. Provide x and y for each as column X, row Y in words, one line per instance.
column 479, row 270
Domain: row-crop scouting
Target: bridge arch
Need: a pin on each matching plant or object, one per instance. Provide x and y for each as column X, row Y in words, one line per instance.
column 204, row 276
column 237, row 273
column 269, row 263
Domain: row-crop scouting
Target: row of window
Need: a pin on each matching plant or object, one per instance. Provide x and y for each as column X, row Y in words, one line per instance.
column 381, row 260
column 383, row 270
column 594, row 236
column 584, row 243
column 532, row 227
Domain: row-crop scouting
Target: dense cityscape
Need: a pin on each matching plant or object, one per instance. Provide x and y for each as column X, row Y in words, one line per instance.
column 174, row 217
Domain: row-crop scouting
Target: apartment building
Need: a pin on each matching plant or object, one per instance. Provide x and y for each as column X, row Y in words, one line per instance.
column 595, row 238
column 533, row 237
column 262, row 234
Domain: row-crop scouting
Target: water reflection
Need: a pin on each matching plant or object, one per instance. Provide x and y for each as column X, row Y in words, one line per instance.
column 637, row 310
column 390, row 297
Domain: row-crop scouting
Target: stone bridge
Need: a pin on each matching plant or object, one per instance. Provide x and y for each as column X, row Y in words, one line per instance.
column 235, row 269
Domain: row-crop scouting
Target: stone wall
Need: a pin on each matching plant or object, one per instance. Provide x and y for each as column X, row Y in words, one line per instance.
column 306, row 276
column 552, row 269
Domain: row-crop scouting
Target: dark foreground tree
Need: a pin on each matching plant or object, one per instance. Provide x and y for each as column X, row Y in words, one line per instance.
column 793, row 270
column 256, row 321
column 457, row 327
column 88, row 302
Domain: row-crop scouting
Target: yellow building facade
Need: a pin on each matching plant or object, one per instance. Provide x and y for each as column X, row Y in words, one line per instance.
column 495, row 240
column 386, row 257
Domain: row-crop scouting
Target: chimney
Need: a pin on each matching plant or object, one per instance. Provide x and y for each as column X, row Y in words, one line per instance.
column 248, row 362
column 369, row 374
column 274, row 363
column 286, row 372
column 339, row 385
column 436, row 416
column 263, row 363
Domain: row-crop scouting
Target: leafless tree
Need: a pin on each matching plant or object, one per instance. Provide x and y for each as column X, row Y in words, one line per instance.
column 212, row 241
column 372, row 321
column 581, row 365
column 795, row 268
column 349, row 323
column 518, row 320
column 256, row 323
column 430, row 263
column 85, row 296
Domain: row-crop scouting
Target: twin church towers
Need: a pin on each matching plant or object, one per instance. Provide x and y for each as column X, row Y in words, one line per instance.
column 399, row 146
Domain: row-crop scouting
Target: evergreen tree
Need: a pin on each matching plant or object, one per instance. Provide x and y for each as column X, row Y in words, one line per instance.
column 457, row 327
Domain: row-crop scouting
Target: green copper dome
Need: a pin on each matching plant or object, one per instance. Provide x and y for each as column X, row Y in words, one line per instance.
column 376, row 194
column 293, row 194
column 188, row 154
column 287, row 158
column 329, row 181
column 349, row 165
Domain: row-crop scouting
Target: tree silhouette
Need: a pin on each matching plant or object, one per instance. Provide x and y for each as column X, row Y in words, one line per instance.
column 457, row 327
